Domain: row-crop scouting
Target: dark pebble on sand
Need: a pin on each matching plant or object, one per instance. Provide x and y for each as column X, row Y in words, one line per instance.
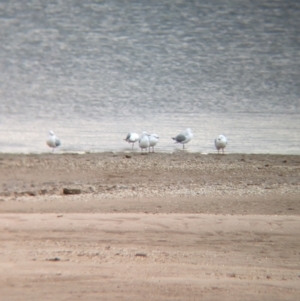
column 71, row 191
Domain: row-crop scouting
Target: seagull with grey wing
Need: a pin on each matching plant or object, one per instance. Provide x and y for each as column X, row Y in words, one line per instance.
column 52, row 141
column 132, row 138
column 153, row 139
column 184, row 137
column 221, row 143
column 144, row 142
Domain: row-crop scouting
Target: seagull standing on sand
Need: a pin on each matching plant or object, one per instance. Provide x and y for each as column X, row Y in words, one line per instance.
column 221, row 143
column 153, row 139
column 144, row 141
column 52, row 141
column 132, row 138
column 184, row 137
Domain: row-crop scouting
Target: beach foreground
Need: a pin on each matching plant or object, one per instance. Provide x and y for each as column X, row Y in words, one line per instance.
column 154, row 227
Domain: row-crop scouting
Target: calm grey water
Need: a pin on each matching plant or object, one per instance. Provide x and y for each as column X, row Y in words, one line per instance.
column 94, row 70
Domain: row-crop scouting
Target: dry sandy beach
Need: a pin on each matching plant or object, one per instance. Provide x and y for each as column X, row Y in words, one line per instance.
column 180, row 226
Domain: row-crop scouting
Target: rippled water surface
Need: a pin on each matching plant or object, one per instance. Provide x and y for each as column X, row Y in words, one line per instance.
column 93, row 70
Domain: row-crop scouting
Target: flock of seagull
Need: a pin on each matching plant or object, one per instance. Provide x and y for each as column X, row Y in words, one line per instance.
column 147, row 141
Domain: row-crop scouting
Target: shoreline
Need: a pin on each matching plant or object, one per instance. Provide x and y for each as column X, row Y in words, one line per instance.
column 138, row 151
column 178, row 151
column 130, row 180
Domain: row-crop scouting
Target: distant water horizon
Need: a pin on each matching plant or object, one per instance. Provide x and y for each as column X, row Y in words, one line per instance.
column 94, row 71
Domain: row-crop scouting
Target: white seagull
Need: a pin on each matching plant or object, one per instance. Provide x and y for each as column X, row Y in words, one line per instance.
column 52, row 141
column 221, row 143
column 132, row 138
column 144, row 141
column 184, row 137
column 153, row 139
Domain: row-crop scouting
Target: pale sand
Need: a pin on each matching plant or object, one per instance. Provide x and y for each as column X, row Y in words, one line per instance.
column 150, row 227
